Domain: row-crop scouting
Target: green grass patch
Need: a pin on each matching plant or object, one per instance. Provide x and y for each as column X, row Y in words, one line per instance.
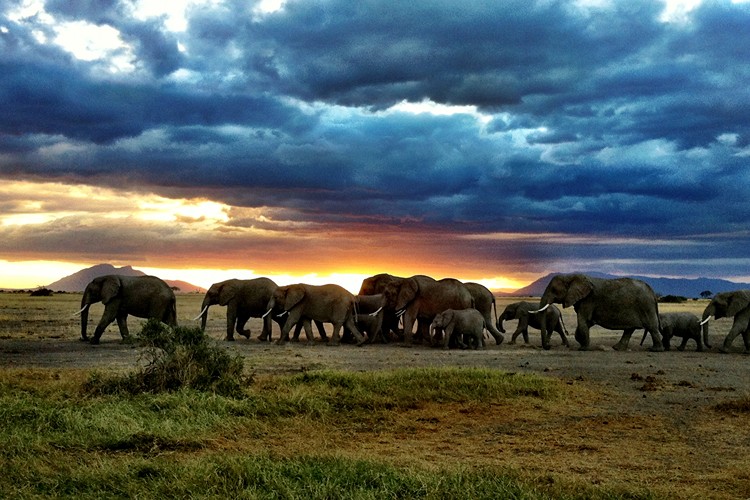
column 63, row 441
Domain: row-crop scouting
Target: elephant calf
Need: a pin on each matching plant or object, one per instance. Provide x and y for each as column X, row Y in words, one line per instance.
column 524, row 312
column 459, row 324
column 680, row 324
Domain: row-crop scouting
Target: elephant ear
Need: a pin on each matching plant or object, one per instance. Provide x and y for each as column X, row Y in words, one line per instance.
column 580, row 286
column 407, row 293
column 449, row 316
column 737, row 302
column 293, row 296
column 226, row 293
column 110, row 289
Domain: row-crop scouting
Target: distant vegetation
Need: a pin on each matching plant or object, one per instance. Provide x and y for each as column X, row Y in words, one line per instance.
column 673, row 299
column 42, row 292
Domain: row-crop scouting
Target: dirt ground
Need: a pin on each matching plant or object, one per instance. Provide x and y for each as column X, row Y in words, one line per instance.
column 645, row 418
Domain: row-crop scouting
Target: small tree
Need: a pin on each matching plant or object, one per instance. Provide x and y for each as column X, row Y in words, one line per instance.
column 706, row 294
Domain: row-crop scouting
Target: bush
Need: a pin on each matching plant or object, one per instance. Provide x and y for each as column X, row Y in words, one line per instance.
column 673, row 299
column 180, row 357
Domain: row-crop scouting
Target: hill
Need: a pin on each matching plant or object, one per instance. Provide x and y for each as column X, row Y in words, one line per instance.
column 77, row 282
column 685, row 287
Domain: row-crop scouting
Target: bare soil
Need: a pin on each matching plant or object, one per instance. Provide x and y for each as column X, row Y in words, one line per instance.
column 634, row 418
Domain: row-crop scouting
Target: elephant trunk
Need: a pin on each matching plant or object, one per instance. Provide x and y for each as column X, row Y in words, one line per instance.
column 84, row 318
column 500, row 324
column 704, row 325
column 203, row 315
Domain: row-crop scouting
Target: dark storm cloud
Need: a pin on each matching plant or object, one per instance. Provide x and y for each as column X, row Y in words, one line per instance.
column 598, row 121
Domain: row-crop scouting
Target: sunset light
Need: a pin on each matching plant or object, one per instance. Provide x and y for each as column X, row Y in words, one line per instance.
column 199, row 140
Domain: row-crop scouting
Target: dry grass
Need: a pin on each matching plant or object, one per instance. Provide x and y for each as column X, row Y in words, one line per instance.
column 593, row 436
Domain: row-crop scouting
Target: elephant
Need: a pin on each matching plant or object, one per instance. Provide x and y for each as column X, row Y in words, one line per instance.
column 615, row 304
column 680, row 324
column 484, row 301
column 375, row 285
column 422, row 298
column 141, row 296
column 460, row 324
column 723, row 305
column 244, row 299
column 325, row 303
column 370, row 312
column 522, row 311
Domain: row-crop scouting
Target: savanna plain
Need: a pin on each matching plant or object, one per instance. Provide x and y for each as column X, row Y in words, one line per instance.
column 378, row 421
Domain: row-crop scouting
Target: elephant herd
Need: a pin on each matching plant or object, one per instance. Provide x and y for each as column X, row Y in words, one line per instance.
column 446, row 311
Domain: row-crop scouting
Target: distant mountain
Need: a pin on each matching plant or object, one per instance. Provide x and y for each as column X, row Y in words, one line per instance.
column 77, row 282
column 684, row 287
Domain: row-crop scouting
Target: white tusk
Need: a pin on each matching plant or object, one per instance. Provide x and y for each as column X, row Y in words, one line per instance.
column 79, row 312
column 540, row 310
column 267, row 313
column 201, row 314
column 705, row 321
column 282, row 314
column 400, row 313
column 376, row 312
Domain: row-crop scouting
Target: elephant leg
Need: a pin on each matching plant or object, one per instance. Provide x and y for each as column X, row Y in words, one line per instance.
column 680, row 347
column 582, row 335
column 698, row 342
column 358, row 337
column 737, row 328
column 622, row 345
column 242, row 319
column 231, row 320
column 297, row 330
column 499, row 338
column 746, row 339
column 110, row 314
column 292, row 319
column 122, row 324
column 321, row 330
column 308, row 331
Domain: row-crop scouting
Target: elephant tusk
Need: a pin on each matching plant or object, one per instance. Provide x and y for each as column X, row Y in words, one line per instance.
column 376, row 312
column 400, row 313
column 282, row 314
column 540, row 310
column 79, row 312
column 201, row 314
column 705, row 321
column 267, row 313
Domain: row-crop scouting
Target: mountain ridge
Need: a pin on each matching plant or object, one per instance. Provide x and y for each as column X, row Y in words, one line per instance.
column 684, row 287
column 77, row 281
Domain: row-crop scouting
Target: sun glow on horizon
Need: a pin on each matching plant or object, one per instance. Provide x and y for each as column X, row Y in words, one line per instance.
column 38, row 273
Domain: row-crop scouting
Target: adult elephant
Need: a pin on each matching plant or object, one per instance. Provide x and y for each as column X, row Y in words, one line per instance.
column 141, row 296
column 376, row 285
column 244, row 299
column 524, row 312
column 422, row 298
column 325, row 303
column 724, row 305
column 615, row 304
column 484, row 302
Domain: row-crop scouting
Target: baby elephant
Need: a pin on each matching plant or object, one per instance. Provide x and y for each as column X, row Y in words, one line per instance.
column 680, row 324
column 459, row 324
column 522, row 312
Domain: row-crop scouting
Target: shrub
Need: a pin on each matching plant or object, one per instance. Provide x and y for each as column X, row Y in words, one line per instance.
column 673, row 299
column 180, row 357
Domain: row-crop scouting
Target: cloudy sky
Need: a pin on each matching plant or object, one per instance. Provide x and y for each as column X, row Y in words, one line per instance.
column 332, row 139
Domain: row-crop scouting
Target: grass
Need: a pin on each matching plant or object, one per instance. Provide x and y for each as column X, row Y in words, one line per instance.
column 298, row 429
column 59, row 440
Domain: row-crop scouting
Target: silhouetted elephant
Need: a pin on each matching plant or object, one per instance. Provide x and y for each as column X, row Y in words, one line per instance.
column 141, row 296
